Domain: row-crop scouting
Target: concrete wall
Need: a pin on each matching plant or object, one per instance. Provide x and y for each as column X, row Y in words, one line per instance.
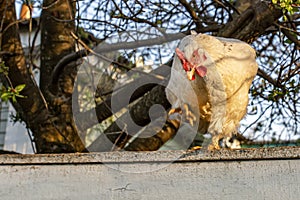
column 241, row 174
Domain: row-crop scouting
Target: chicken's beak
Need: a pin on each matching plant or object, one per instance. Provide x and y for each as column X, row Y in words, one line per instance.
column 189, row 67
column 191, row 74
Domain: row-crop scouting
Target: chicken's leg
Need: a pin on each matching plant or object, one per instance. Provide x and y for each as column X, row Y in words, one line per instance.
column 185, row 112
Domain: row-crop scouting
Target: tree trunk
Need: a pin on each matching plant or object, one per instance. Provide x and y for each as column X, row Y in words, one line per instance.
column 57, row 23
column 51, row 133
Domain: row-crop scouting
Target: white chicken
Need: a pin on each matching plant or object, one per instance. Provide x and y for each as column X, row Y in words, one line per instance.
column 220, row 71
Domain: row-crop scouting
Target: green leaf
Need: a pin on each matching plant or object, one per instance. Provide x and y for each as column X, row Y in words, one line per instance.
column 288, row 41
column 20, row 96
column 19, row 88
column 5, row 96
column 14, row 99
column 3, row 69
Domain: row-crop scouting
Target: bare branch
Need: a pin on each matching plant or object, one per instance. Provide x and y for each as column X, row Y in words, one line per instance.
column 265, row 76
column 192, row 13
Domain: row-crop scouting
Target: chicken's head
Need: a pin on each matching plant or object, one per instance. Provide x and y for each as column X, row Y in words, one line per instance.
column 194, row 64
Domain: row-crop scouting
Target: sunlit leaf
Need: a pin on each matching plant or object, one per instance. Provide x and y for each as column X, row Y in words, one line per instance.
column 19, row 88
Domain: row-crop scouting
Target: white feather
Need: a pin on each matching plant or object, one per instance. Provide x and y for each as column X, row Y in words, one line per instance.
column 222, row 95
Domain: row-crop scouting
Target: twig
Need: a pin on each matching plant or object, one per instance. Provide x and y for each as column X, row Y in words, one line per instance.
column 265, row 110
column 50, row 5
column 104, row 49
column 265, row 76
column 192, row 12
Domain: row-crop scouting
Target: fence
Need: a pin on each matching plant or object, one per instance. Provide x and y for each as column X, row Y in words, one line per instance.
column 3, row 122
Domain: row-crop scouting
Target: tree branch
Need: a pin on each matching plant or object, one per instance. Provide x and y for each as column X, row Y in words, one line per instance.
column 154, row 142
column 192, row 13
column 104, row 48
column 252, row 23
column 103, row 110
column 138, row 113
column 265, row 76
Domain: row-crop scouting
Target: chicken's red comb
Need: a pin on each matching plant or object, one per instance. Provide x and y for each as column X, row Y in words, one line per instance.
column 182, row 58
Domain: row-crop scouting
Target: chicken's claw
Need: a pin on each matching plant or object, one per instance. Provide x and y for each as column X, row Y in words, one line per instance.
column 185, row 112
column 214, row 143
column 188, row 115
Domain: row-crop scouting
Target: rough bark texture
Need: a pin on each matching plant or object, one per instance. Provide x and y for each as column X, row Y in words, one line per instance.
column 103, row 110
column 154, row 142
column 46, row 127
column 251, row 23
column 32, row 109
column 57, row 24
column 139, row 114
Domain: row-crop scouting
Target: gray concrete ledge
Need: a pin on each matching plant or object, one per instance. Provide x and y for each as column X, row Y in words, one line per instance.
column 272, row 173
column 157, row 156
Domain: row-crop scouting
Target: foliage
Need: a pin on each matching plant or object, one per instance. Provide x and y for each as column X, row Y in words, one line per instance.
column 10, row 92
column 287, row 6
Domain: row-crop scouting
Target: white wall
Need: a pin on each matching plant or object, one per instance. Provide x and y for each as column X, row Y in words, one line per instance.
column 209, row 176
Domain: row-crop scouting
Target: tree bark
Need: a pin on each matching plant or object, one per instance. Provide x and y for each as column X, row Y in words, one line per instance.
column 251, row 23
column 57, row 23
column 33, row 109
column 115, row 135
